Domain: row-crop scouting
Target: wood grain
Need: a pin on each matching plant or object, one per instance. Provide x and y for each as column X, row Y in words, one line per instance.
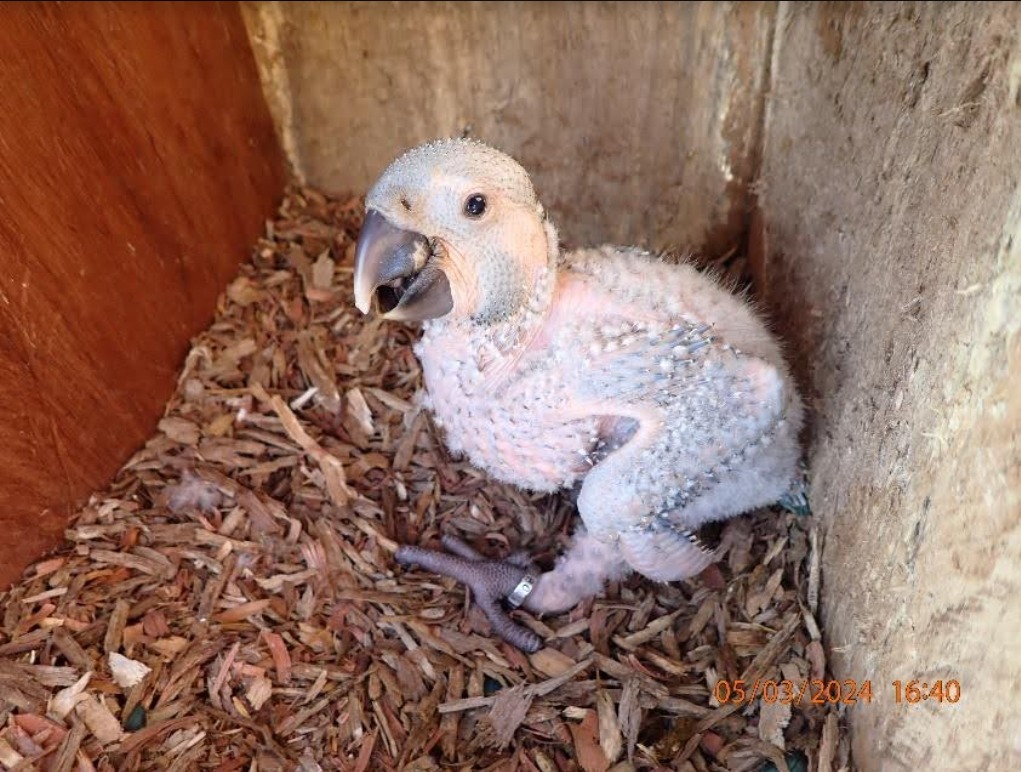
column 138, row 162
column 638, row 121
column 893, row 213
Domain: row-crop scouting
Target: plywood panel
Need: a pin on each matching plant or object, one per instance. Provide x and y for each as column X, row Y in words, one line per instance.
column 138, row 161
column 638, row 120
column 893, row 210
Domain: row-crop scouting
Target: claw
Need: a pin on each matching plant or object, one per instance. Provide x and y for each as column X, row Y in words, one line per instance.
column 489, row 580
column 462, row 548
column 521, row 559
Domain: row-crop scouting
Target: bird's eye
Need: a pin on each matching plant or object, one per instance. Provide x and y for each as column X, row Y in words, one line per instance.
column 475, row 206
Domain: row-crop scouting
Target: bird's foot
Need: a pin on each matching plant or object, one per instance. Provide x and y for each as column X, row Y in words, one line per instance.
column 491, row 581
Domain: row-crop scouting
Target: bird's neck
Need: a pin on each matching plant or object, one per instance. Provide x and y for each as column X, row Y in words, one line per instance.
column 511, row 332
column 523, row 324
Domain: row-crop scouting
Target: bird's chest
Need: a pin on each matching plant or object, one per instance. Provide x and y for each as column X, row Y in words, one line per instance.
column 511, row 416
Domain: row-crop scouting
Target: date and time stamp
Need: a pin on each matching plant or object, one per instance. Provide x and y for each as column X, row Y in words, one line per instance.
column 832, row 692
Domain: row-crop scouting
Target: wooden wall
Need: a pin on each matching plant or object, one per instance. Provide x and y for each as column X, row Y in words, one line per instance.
column 137, row 164
column 892, row 204
column 639, row 121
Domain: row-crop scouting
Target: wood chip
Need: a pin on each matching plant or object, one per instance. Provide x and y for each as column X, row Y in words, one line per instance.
column 231, row 597
column 610, row 737
column 99, row 720
column 773, row 719
column 63, row 702
column 509, row 708
column 281, row 657
column 9, row 757
column 127, row 672
column 588, row 751
column 70, row 748
column 260, row 690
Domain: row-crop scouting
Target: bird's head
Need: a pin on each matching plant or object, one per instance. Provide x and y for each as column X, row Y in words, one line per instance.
column 453, row 229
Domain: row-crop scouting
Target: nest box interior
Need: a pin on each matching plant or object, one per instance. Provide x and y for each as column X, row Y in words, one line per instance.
column 863, row 159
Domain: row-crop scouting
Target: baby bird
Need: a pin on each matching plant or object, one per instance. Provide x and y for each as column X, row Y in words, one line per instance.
column 643, row 384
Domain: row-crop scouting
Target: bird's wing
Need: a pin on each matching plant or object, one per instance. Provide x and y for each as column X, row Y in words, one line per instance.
column 706, row 412
column 700, row 402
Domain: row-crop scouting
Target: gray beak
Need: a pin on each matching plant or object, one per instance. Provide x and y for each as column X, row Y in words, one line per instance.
column 394, row 275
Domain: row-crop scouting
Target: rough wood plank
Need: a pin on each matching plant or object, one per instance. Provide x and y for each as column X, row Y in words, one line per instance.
column 892, row 171
column 139, row 161
column 639, row 121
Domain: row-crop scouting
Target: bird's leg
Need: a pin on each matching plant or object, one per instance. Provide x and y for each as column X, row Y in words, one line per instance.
column 579, row 574
column 491, row 581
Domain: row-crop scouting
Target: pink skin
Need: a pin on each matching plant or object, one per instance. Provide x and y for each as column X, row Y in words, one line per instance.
column 646, row 383
column 590, row 562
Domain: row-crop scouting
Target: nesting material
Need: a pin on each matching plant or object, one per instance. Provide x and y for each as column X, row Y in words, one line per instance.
column 231, row 602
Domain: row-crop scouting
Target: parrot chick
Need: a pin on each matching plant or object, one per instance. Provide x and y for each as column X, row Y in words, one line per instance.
column 644, row 385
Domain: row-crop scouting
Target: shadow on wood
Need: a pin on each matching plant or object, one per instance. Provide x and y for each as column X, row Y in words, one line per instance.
column 139, row 162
